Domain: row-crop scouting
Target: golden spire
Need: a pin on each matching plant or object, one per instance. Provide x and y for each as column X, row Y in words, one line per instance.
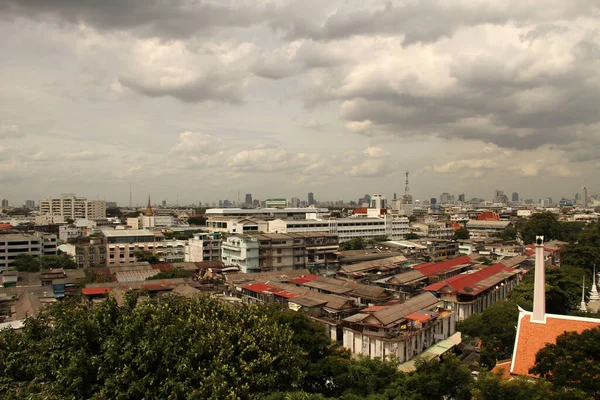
column 149, row 211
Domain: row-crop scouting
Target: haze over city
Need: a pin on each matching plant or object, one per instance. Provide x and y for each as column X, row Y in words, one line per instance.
column 197, row 101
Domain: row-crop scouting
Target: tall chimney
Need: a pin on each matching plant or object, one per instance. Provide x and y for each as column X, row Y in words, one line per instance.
column 539, row 290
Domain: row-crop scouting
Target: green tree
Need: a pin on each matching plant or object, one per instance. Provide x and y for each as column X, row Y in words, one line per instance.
column 200, row 221
column 353, row 244
column 411, row 236
column 461, row 234
column 57, row 261
column 178, row 348
column 507, row 234
column 573, row 362
column 496, row 329
column 26, row 263
column 563, row 290
column 142, row 255
column 548, row 225
column 380, row 238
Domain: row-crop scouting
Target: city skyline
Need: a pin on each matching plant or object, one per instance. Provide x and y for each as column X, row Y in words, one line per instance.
column 200, row 101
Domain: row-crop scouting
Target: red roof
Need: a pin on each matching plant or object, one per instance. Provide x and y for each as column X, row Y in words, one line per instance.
column 5, row 226
column 268, row 289
column 95, row 290
column 532, row 337
column 162, row 267
column 432, row 268
column 459, row 283
column 417, row 316
column 488, row 216
column 304, row 279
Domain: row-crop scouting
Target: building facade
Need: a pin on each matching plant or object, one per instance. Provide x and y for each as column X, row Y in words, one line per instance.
column 88, row 254
column 122, row 244
column 73, row 207
column 203, row 247
column 37, row 245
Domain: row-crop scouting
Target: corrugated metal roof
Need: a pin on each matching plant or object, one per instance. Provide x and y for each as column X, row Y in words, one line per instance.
column 97, row 290
column 473, row 283
column 135, row 276
column 396, row 312
column 429, row 269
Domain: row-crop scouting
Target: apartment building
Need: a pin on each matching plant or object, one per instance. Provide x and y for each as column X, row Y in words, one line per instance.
column 13, row 245
column 432, row 229
column 203, row 247
column 239, row 225
column 346, row 228
column 88, row 253
column 169, row 251
column 121, row 244
column 73, row 207
column 279, row 252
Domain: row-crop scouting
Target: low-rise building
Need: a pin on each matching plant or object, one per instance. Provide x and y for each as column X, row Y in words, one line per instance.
column 122, row 244
column 203, row 247
column 432, row 229
column 279, row 252
column 402, row 331
column 170, row 251
column 13, row 245
column 485, row 229
column 474, row 291
column 346, row 228
column 88, row 252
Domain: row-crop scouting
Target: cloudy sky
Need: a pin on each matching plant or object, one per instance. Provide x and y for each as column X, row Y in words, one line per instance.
column 198, row 100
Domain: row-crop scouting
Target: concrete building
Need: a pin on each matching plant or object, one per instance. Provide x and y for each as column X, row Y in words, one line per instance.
column 121, row 244
column 279, row 252
column 69, row 232
column 346, row 228
column 486, row 229
column 30, row 204
column 433, row 229
column 311, row 198
column 276, row 203
column 73, row 207
column 584, row 196
column 203, row 247
column 12, row 245
column 401, row 330
column 378, row 201
column 294, row 213
column 229, row 225
column 88, row 253
column 169, row 251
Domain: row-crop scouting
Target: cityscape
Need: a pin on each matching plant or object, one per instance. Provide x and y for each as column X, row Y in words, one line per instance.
column 284, row 199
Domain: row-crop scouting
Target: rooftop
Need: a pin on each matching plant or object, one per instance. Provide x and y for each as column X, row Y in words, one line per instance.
column 433, row 268
column 128, row 232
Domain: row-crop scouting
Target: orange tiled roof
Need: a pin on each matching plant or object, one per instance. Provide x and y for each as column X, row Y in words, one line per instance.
column 5, row 226
column 532, row 337
column 488, row 216
column 502, row 369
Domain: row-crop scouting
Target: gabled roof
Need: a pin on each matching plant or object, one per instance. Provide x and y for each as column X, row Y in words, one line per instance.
column 433, row 268
column 532, row 337
column 406, row 277
column 473, row 283
column 368, row 265
column 399, row 311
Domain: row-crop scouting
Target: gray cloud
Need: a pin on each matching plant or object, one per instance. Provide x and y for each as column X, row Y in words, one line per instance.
column 151, row 18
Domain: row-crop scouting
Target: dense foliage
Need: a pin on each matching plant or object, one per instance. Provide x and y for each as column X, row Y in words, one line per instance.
column 496, row 329
column 548, row 225
column 201, row 348
column 29, row 263
column 461, row 234
column 353, row 244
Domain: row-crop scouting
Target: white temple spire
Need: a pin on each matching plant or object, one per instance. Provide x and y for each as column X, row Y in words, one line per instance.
column 594, row 292
column 583, row 306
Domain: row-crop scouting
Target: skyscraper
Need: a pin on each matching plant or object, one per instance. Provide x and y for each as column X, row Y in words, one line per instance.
column 4, row 203
column 248, row 199
column 461, row 197
column 515, row 197
column 311, row 198
column 584, row 196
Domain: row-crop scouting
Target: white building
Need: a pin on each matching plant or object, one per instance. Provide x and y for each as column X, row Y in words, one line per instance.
column 276, row 203
column 202, row 248
column 486, row 229
column 236, row 225
column 401, row 330
column 346, row 228
column 73, row 207
column 170, row 251
column 434, row 229
column 377, row 201
column 295, row 213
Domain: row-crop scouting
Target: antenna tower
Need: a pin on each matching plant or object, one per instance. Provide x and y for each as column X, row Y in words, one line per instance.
column 130, row 202
column 406, row 186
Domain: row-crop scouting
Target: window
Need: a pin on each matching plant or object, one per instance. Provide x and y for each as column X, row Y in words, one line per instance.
column 279, row 260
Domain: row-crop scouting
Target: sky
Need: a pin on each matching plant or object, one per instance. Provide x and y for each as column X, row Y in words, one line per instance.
column 195, row 100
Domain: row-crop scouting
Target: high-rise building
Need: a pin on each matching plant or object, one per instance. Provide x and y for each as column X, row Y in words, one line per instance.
column 515, row 197
column 29, row 203
column 71, row 207
column 446, row 198
column 294, row 202
column 311, row 198
column 164, row 203
column 433, row 201
column 248, row 199
column 461, row 197
column 584, row 196
column 377, row 201
column 4, row 203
